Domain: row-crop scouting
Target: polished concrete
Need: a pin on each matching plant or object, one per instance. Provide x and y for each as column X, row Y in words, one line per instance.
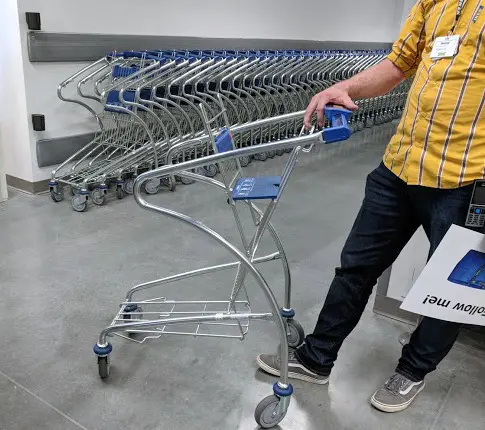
column 62, row 275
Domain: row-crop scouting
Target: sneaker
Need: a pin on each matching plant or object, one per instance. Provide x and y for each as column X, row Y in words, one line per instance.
column 271, row 364
column 397, row 394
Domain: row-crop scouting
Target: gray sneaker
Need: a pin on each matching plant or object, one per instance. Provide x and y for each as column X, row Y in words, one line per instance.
column 271, row 364
column 397, row 394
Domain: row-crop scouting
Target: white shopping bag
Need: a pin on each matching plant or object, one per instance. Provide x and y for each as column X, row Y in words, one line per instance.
column 452, row 285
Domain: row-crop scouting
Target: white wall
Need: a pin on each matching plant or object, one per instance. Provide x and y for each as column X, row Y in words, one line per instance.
column 346, row 20
column 14, row 130
column 285, row 19
column 408, row 4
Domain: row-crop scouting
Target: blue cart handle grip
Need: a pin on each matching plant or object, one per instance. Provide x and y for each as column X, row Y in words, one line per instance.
column 339, row 120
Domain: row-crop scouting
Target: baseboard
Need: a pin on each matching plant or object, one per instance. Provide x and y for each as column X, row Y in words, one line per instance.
column 388, row 307
column 26, row 186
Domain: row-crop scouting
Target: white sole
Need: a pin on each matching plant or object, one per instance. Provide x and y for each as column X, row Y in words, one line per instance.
column 292, row 375
column 397, row 408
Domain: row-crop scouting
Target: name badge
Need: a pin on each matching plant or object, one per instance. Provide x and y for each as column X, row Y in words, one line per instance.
column 445, row 47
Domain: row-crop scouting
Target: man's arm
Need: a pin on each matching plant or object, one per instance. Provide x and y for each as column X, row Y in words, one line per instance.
column 373, row 82
column 382, row 78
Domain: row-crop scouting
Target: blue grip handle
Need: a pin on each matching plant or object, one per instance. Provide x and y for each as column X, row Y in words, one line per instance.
column 339, row 130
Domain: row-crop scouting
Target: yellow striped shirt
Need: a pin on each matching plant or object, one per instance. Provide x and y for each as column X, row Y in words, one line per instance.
column 440, row 141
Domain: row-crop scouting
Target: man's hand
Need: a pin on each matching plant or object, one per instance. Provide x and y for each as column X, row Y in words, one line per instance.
column 337, row 95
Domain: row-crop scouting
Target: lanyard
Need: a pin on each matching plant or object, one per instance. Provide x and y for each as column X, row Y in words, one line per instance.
column 459, row 10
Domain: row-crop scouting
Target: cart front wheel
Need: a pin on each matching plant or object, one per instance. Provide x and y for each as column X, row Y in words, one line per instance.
column 267, row 414
column 296, row 334
column 103, row 367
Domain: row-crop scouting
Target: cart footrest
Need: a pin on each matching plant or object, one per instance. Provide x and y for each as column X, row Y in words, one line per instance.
column 264, row 188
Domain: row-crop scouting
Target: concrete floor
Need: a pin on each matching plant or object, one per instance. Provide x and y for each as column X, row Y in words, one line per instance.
column 63, row 273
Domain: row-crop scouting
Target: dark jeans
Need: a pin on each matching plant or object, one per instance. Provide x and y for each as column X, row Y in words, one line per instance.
column 390, row 214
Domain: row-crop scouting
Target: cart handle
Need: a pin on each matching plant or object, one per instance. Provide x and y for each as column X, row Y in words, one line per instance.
column 338, row 132
column 339, row 119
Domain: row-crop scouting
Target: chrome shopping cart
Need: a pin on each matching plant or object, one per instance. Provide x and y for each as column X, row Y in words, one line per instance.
column 228, row 316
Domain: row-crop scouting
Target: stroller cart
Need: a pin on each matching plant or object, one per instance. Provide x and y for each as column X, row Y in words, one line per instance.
column 228, row 316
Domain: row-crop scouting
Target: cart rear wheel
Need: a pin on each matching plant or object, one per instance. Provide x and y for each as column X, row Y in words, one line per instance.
column 103, row 367
column 296, row 334
column 267, row 415
column 280, row 152
column 271, row 154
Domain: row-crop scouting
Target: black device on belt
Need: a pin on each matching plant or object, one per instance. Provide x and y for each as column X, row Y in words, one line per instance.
column 476, row 211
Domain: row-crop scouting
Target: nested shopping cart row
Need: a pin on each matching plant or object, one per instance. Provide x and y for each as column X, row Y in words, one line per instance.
column 145, row 106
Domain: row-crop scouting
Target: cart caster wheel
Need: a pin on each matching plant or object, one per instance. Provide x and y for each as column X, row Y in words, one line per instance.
column 271, row 154
column 262, row 156
column 288, row 150
column 244, row 161
column 369, row 122
column 296, row 334
column 171, row 183
column 74, row 191
column 97, row 196
column 119, row 192
column 267, row 415
column 103, row 353
column 165, row 182
column 103, row 367
column 186, row 181
column 128, row 185
column 280, row 152
column 132, row 308
column 79, row 203
column 211, row 170
column 360, row 126
column 152, row 187
column 57, row 196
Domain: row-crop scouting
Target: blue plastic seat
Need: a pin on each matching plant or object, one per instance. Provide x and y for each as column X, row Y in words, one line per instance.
column 265, row 188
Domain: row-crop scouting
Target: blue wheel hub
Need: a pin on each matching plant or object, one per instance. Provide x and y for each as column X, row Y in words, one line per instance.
column 283, row 392
column 130, row 308
column 287, row 313
column 103, row 351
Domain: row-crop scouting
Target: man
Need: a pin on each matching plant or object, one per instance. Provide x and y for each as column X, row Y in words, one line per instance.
column 425, row 179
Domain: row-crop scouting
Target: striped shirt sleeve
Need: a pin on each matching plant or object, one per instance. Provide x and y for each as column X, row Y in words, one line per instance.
column 406, row 50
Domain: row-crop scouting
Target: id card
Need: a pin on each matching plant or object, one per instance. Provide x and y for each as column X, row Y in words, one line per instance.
column 445, row 47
